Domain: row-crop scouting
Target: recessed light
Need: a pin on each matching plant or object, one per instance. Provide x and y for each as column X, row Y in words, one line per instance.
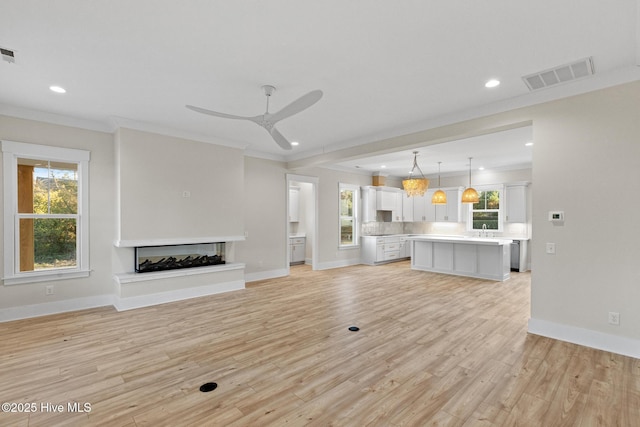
column 481, row 168
column 492, row 83
column 528, row 144
column 295, row 143
column 57, row 89
column 383, row 166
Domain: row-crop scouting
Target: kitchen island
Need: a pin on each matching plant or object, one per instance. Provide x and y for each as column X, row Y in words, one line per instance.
column 485, row 258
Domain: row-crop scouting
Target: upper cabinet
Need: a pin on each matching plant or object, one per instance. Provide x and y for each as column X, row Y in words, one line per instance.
column 368, row 203
column 390, row 199
column 451, row 211
column 425, row 211
column 294, row 204
column 516, row 203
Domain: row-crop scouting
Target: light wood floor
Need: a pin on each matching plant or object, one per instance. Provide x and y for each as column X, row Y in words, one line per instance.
column 431, row 350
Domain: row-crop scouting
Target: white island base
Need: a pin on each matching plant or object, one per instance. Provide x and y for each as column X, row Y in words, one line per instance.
column 473, row 257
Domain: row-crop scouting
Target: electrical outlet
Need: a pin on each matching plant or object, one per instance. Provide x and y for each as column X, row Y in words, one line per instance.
column 551, row 248
column 48, row 290
column 614, row 318
column 186, row 193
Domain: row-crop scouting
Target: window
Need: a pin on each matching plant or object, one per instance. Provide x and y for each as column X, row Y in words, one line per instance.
column 349, row 196
column 45, row 212
column 487, row 213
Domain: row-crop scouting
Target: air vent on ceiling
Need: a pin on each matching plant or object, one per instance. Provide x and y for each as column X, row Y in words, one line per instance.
column 562, row 74
column 7, row 55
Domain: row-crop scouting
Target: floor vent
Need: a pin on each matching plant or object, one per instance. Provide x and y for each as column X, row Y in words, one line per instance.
column 558, row 75
column 7, row 55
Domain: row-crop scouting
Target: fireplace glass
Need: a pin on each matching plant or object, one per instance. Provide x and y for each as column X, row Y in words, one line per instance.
column 172, row 257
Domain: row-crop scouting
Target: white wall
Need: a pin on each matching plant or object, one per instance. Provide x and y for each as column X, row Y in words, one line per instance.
column 587, row 163
column 265, row 217
column 155, row 170
column 101, row 220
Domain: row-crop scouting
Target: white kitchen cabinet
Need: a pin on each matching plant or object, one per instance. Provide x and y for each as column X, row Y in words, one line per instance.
column 413, row 208
column 390, row 199
column 407, row 208
column 294, row 204
column 482, row 258
column 451, row 212
column 383, row 249
column 297, row 250
column 516, row 203
column 368, row 203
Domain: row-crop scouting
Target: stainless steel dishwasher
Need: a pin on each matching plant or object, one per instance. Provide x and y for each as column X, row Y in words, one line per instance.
column 515, row 255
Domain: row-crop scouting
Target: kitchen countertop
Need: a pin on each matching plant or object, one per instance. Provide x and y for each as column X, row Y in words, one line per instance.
column 461, row 239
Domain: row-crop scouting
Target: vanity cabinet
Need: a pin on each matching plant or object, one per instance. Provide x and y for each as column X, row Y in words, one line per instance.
column 297, row 250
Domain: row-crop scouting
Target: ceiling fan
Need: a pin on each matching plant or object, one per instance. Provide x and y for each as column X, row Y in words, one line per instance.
column 268, row 120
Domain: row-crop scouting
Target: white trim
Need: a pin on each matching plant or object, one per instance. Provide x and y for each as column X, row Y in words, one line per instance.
column 11, row 152
column 355, row 216
column 337, row 264
column 44, row 276
column 122, row 304
column 175, row 241
column 586, row 337
column 314, row 181
column 263, row 275
column 55, row 307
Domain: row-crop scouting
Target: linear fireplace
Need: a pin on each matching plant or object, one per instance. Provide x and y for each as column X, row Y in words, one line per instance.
column 172, row 257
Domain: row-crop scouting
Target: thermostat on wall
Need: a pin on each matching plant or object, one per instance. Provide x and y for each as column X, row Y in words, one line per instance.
column 556, row 216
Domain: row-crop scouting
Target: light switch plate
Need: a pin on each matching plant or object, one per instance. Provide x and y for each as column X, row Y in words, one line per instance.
column 551, row 248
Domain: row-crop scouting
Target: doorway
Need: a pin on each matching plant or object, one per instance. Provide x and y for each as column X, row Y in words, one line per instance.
column 302, row 220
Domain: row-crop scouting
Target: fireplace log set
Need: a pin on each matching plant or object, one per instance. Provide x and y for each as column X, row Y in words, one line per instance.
column 172, row 263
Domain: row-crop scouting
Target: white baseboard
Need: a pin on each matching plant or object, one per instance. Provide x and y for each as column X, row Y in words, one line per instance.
column 586, row 337
column 263, row 275
column 337, row 264
column 129, row 303
column 55, row 307
column 120, row 304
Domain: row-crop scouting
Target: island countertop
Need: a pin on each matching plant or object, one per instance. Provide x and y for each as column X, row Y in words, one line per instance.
column 461, row 239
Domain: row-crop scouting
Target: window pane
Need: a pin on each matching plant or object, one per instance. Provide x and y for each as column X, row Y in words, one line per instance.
column 482, row 197
column 47, row 187
column 47, row 243
column 346, row 231
column 490, row 219
column 346, row 203
column 493, row 199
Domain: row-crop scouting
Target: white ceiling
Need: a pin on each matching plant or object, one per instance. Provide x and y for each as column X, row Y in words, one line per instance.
column 386, row 67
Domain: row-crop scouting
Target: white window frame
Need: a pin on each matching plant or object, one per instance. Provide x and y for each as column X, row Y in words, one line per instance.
column 11, row 151
column 500, row 189
column 356, row 209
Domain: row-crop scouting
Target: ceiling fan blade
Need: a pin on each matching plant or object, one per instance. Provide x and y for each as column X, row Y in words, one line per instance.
column 302, row 103
column 279, row 139
column 223, row 115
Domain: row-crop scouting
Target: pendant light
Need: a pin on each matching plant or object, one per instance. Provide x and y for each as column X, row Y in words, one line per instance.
column 415, row 186
column 439, row 197
column 470, row 195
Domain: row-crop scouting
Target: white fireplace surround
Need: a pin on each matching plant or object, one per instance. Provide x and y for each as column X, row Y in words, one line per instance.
column 134, row 290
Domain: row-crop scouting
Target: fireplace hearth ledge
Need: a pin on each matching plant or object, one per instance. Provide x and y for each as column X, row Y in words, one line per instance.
column 124, row 278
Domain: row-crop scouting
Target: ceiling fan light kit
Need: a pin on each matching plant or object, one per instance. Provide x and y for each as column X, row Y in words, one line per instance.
column 415, row 186
column 268, row 120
